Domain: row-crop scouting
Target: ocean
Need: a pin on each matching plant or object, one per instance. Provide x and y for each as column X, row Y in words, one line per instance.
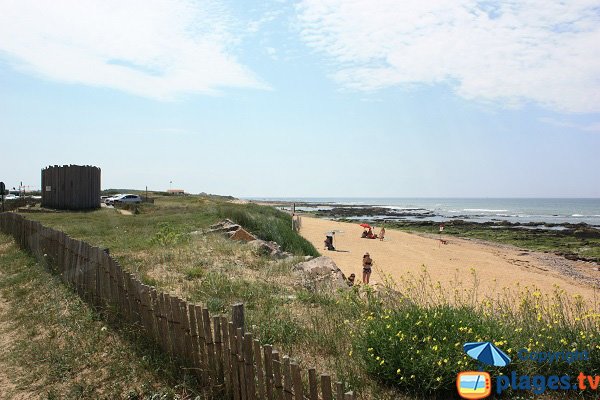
column 522, row 211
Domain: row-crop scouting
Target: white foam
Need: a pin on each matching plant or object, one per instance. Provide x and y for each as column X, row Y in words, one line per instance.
column 483, row 210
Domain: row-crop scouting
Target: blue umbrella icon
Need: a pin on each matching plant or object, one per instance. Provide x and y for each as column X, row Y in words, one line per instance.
column 487, row 353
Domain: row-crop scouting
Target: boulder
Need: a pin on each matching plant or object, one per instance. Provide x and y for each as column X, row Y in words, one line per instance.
column 242, row 234
column 321, row 273
column 226, row 225
column 271, row 249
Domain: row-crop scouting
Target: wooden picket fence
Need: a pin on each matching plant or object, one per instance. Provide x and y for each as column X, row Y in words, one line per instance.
column 228, row 361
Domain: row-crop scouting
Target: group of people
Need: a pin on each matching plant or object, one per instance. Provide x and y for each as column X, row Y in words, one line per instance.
column 367, row 261
column 368, row 234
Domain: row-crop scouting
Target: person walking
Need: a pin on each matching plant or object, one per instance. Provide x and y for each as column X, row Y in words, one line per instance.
column 367, row 264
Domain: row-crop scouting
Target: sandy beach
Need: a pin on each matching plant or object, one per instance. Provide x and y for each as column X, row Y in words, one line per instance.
column 496, row 266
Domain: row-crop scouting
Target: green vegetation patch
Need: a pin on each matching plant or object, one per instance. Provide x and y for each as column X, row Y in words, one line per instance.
column 61, row 348
column 418, row 347
column 268, row 224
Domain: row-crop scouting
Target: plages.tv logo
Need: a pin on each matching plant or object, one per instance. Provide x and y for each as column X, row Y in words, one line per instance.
column 478, row 384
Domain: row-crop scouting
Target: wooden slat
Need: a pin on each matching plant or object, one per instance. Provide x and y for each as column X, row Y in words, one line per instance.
column 287, row 378
column 277, row 377
column 239, row 337
column 297, row 382
column 268, row 352
column 160, row 337
column 349, row 396
column 226, row 356
column 326, row 391
column 178, row 334
column 249, row 366
column 235, row 380
column 313, row 390
column 202, row 353
column 210, row 346
column 339, row 390
column 165, row 303
column 260, row 373
column 218, row 348
column 194, row 339
column 185, row 321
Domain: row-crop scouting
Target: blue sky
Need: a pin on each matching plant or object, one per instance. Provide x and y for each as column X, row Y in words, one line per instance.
column 306, row 98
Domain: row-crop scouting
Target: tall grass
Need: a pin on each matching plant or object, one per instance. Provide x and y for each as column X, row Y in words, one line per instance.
column 268, row 224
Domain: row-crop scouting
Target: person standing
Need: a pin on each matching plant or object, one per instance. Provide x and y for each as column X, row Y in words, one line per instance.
column 367, row 264
column 382, row 233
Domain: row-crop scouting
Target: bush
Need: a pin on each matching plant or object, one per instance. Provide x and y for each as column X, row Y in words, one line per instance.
column 418, row 348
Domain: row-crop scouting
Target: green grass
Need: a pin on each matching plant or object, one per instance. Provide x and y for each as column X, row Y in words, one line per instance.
column 61, row 348
column 269, row 224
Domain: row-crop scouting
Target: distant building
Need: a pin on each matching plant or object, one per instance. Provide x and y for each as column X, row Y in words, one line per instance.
column 176, row 191
column 71, row 187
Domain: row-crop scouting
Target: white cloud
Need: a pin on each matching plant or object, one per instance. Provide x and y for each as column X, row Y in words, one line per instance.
column 152, row 48
column 589, row 127
column 508, row 51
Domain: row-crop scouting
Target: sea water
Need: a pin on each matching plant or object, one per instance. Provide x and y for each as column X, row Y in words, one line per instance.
column 522, row 211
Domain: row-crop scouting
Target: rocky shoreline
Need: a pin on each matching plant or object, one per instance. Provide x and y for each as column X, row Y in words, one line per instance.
column 423, row 220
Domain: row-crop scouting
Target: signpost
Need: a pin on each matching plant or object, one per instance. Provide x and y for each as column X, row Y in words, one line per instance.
column 2, row 190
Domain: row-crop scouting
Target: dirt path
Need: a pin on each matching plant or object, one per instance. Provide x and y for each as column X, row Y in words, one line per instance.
column 403, row 253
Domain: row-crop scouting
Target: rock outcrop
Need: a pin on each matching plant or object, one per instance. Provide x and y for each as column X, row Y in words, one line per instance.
column 271, row 249
column 232, row 230
column 321, row 273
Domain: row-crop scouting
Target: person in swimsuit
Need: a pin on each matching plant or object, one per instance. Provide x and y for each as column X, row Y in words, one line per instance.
column 367, row 263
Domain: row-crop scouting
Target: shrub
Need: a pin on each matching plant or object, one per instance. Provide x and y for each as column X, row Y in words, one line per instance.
column 418, row 348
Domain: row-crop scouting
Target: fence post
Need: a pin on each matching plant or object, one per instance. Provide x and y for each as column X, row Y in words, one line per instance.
column 260, row 373
column 277, row 379
column 326, row 387
column 287, row 378
column 235, row 381
column 339, row 390
column 312, row 384
column 297, row 382
column 249, row 366
column 226, row 356
column 237, row 316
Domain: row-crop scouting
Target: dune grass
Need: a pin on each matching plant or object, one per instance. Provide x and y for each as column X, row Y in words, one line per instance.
column 59, row 348
column 269, row 224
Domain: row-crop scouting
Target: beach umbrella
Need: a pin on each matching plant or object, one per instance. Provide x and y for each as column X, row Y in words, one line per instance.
column 365, row 226
column 487, row 353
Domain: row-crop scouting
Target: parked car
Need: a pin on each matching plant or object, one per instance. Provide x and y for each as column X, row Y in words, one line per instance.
column 127, row 199
column 109, row 201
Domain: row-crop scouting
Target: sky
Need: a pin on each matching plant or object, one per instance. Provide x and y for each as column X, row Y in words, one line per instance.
column 306, row 98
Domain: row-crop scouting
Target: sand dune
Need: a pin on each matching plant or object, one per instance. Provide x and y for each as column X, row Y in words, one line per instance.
column 402, row 253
